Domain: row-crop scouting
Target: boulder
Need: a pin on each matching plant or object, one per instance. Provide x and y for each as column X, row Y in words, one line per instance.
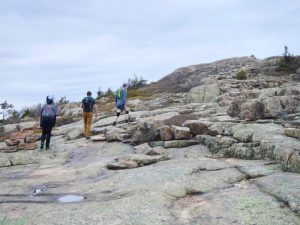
column 204, row 93
column 181, row 132
column 294, row 162
column 272, row 107
column 9, row 149
column 234, row 108
column 115, row 134
column 292, row 132
column 298, row 71
column 147, row 131
column 288, row 104
column 195, row 126
column 142, row 149
column 166, row 133
column 296, row 77
column 252, row 110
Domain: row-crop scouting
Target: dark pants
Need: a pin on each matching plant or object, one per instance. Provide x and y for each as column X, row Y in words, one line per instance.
column 47, row 125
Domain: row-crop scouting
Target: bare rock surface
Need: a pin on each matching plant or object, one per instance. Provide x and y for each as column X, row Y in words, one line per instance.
column 226, row 151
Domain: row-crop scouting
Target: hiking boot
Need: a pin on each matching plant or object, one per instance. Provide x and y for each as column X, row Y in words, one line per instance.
column 126, row 121
column 42, row 146
column 115, row 123
column 87, row 138
column 48, row 148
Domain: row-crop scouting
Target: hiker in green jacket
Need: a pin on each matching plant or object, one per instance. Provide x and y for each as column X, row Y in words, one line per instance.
column 120, row 99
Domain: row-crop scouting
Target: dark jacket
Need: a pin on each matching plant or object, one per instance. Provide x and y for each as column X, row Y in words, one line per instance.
column 48, row 120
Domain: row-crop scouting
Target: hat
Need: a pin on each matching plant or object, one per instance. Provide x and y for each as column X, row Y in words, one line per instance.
column 49, row 100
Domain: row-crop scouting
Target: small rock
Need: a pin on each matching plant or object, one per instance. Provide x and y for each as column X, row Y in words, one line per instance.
column 12, row 142
column 179, row 143
column 142, row 149
column 166, row 133
column 121, row 165
column 30, row 146
column 181, row 132
column 100, row 137
column 30, row 139
column 195, row 126
column 292, row 132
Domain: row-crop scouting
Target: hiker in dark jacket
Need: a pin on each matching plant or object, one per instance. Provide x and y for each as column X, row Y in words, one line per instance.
column 120, row 99
column 47, row 121
column 88, row 105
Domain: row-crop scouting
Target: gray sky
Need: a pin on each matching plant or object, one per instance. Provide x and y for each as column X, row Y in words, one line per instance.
column 66, row 47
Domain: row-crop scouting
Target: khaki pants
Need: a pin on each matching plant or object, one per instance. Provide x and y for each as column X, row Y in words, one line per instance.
column 87, row 120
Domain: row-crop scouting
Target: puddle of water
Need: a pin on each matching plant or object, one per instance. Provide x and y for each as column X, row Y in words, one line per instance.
column 70, row 198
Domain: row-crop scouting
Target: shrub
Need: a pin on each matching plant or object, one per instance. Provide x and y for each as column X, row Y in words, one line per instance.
column 241, row 75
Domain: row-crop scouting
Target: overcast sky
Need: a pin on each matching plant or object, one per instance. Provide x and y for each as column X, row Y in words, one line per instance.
column 66, row 47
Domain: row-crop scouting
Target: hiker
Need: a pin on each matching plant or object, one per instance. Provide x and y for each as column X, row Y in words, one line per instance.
column 47, row 121
column 120, row 99
column 88, row 105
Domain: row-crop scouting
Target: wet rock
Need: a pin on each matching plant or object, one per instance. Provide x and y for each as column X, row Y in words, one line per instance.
column 166, row 133
column 181, row 132
column 195, row 126
column 292, row 132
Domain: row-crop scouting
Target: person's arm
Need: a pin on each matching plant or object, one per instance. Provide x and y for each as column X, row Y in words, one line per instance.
column 54, row 122
column 124, row 96
column 41, row 117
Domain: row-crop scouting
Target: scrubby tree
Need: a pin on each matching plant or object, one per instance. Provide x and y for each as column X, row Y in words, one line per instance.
column 6, row 110
column 99, row 92
column 63, row 101
column 136, row 82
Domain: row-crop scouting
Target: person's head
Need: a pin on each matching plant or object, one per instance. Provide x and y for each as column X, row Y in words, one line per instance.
column 125, row 86
column 89, row 93
column 49, row 100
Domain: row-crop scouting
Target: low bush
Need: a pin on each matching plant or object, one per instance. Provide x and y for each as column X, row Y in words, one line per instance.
column 241, row 75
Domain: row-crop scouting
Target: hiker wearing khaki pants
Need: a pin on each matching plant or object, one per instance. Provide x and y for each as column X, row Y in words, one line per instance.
column 88, row 104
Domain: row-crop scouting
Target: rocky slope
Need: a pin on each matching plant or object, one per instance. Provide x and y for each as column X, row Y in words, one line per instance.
column 228, row 151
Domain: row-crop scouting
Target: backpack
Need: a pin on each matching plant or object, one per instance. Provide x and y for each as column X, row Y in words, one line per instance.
column 88, row 104
column 49, row 111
